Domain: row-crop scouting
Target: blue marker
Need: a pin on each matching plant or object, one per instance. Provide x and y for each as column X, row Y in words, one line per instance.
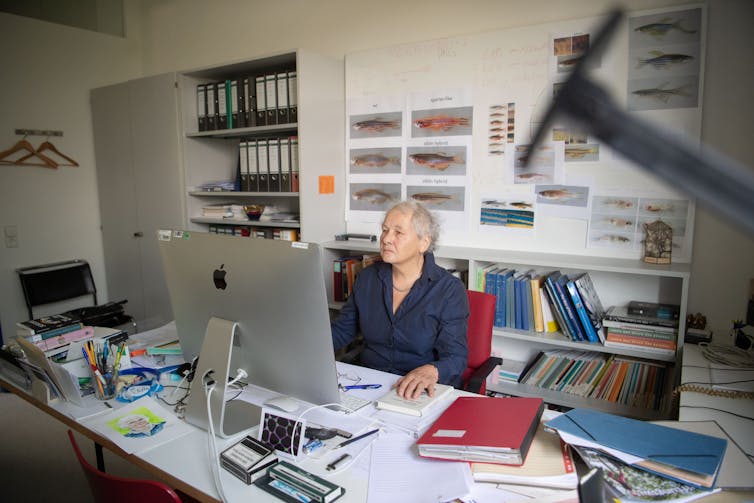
column 362, row 386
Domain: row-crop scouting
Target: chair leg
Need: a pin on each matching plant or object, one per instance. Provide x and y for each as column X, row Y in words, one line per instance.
column 100, row 457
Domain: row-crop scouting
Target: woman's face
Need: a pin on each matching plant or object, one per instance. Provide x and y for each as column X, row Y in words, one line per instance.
column 399, row 242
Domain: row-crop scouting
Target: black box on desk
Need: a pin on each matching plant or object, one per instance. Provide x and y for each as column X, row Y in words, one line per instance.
column 248, row 459
column 697, row 335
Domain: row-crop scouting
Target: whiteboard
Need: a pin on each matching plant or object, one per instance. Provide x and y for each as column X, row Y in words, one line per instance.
column 447, row 122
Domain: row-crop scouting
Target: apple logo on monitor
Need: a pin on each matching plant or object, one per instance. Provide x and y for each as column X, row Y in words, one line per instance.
column 218, row 276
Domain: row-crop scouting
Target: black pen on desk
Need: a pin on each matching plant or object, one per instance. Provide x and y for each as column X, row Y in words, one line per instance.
column 338, row 461
column 354, row 439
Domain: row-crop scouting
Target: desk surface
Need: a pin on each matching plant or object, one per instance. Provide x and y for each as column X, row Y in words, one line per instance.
column 182, row 463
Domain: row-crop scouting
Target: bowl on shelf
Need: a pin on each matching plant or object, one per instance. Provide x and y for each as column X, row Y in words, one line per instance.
column 254, row 211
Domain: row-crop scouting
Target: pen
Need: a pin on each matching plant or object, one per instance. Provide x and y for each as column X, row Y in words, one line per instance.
column 335, row 463
column 362, row 386
column 354, row 439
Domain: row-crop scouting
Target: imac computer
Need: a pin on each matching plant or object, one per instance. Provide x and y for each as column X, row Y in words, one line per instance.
column 255, row 304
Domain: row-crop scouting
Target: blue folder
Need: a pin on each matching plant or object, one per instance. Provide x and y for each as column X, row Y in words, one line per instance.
column 675, row 449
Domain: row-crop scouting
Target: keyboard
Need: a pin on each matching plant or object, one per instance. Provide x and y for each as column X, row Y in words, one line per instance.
column 353, row 402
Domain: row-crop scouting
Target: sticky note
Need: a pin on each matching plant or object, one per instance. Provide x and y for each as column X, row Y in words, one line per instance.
column 327, row 184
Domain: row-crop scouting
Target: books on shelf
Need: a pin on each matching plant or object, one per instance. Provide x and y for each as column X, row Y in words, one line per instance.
column 690, row 458
column 654, row 310
column 492, row 430
column 413, row 407
column 511, row 370
column 345, row 271
column 548, row 464
column 617, row 316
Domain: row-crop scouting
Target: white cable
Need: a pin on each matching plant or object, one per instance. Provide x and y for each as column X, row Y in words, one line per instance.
column 214, row 461
column 240, row 374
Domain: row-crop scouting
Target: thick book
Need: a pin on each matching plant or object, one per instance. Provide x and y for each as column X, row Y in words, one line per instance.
column 490, row 430
column 654, row 310
column 570, row 312
column 413, row 407
column 620, row 314
column 555, row 306
column 548, row 464
column 687, row 457
column 536, row 286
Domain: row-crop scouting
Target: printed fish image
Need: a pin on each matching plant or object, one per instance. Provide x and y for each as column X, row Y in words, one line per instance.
column 374, row 160
column 613, row 238
column 657, row 208
column 496, row 123
column 497, row 137
column 438, row 161
column 620, row 223
column 569, row 63
column 372, row 196
column 660, row 93
column 375, row 125
column 556, row 194
column 521, row 205
column 431, row 197
column 662, row 27
column 532, row 177
column 441, row 122
column 579, row 152
column 622, row 204
column 497, row 107
column 662, row 60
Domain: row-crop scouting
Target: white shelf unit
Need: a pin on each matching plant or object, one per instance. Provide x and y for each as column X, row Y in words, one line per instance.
column 213, row 155
column 617, row 281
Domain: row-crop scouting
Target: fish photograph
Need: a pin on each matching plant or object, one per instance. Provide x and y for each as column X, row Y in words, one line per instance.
column 544, row 157
column 566, row 195
column 582, row 153
column 675, row 27
column 655, row 94
column 666, row 208
column 376, row 125
column 373, row 196
column 613, row 223
column 660, row 60
column 444, row 160
column 615, row 204
column 375, row 160
column 611, row 240
column 442, row 122
column 438, row 198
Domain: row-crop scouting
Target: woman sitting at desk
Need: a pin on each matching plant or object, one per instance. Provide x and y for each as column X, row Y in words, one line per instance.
column 412, row 313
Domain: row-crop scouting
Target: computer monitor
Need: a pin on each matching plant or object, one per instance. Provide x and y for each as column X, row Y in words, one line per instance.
column 255, row 304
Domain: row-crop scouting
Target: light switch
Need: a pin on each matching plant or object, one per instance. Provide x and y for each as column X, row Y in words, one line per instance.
column 11, row 236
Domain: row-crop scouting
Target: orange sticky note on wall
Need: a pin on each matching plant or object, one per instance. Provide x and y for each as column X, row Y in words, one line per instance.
column 327, row 184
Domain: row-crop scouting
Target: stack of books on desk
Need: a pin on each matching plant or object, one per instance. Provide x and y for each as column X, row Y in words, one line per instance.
column 53, row 334
column 635, row 331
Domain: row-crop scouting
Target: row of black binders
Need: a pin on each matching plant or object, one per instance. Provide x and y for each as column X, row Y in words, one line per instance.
column 269, row 165
column 243, row 102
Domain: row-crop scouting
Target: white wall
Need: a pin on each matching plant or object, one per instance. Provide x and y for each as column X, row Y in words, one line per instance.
column 57, row 211
column 47, row 71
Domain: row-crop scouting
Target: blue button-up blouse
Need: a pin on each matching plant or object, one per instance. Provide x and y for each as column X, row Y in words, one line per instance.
column 428, row 327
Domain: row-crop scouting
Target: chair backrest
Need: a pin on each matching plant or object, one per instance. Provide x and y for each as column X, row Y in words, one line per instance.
column 49, row 283
column 111, row 489
column 479, row 332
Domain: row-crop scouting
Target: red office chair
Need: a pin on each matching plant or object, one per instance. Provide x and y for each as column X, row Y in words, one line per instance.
column 479, row 337
column 108, row 488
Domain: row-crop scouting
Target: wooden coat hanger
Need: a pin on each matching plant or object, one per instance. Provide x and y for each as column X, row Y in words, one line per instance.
column 47, row 145
column 25, row 146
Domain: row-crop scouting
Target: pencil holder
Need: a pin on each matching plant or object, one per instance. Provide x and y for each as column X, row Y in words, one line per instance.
column 103, row 384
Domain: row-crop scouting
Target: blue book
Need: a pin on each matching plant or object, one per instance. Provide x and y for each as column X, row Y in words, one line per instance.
column 510, row 301
column 570, row 313
column 517, row 301
column 558, row 310
column 586, row 322
column 501, row 307
column 690, row 458
column 529, row 302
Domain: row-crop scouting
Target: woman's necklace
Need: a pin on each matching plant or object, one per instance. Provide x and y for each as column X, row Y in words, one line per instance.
column 406, row 289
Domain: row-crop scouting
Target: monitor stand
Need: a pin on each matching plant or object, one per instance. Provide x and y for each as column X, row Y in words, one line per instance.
column 228, row 418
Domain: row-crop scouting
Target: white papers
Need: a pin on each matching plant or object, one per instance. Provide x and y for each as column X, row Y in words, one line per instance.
column 399, row 474
column 138, row 426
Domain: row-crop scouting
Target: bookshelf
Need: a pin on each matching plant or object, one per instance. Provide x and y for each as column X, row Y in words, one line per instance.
column 213, row 155
column 616, row 280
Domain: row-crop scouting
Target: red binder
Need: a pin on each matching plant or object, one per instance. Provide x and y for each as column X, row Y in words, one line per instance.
column 490, row 430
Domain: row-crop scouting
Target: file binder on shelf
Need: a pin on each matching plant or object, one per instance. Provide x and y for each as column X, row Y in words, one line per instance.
column 273, row 165
column 263, row 168
column 201, row 106
column 261, row 102
column 222, row 106
column 243, row 155
column 292, row 97
column 285, row 165
column 253, row 166
column 294, row 164
column 211, row 106
column 282, row 95
column 271, row 99
column 231, row 88
column 242, row 86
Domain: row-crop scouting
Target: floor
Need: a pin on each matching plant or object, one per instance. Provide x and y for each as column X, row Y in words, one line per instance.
column 36, row 460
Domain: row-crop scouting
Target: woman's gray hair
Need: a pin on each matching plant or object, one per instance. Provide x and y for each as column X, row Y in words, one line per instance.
column 424, row 222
